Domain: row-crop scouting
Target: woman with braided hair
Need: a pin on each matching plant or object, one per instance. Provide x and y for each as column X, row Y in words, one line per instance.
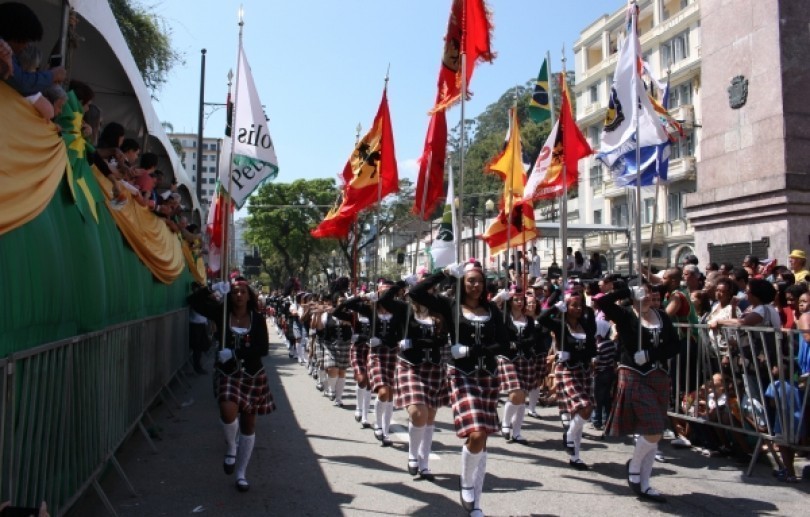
column 472, row 376
column 240, row 382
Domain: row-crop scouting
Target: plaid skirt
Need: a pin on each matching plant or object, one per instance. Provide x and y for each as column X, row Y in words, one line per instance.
column 382, row 364
column 336, row 355
column 526, row 372
column 573, row 388
column 250, row 394
column 424, row 383
column 507, row 375
column 541, row 369
column 474, row 399
column 640, row 404
column 358, row 355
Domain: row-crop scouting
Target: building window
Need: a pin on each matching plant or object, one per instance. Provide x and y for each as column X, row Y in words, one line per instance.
column 683, row 147
column 675, row 50
column 618, row 214
column 675, row 206
column 596, row 176
column 597, row 217
column 595, row 135
column 649, row 210
column 212, row 180
column 680, row 94
column 593, row 93
column 193, row 167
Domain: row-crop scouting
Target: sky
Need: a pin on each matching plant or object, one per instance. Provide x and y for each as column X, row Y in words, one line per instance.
column 320, row 65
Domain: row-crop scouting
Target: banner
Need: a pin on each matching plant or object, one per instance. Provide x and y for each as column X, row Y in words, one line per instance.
column 254, row 156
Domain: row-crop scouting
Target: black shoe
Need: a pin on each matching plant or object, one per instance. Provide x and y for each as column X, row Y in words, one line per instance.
column 468, row 506
column 357, row 417
column 578, row 464
column 378, row 434
column 427, row 475
column 319, row 386
column 506, row 432
column 366, row 425
column 332, row 397
column 242, row 485
column 519, row 440
column 386, row 441
column 533, row 414
column 229, row 467
column 652, row 494
column 413, row 467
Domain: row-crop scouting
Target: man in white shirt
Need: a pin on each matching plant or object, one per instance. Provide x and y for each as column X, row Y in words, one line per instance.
column 534, row 264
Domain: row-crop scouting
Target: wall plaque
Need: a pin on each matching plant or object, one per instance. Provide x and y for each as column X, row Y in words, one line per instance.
column 738, row 92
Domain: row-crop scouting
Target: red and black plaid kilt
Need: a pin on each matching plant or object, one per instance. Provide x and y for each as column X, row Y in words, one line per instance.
column 540, row 369
column 250, row 394
column 336, row 355
column 526, row 372
column 474, row 399
column 382, row 365
column 422, row 383
column 358, row 355
column 573, row 388
column 507, row 375
column 640, row 404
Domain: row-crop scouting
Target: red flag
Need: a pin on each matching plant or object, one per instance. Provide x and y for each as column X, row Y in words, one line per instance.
column 523, row 228
column 372, row 166
column 508, row 165
column 468, row 31
column 214, row 228
column 430, row 181
column 334, row 226
column 574, row 145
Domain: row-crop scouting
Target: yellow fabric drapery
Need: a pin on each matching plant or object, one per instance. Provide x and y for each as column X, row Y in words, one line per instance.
column 32, row 160
column 196, row 266
column 148, row 236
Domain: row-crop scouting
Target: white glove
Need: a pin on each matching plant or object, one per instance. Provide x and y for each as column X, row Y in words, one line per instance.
column 225, row 355
column 411, row 280
column 641, row 357
column 222, row 288
column 354, row 338
column 372, row 296
column 311, row 332
column 502, row 296
column 561, row 306
column 455, row 269
column 458, row 351
column 405, row 344
column 374, row 342
column 563, row 356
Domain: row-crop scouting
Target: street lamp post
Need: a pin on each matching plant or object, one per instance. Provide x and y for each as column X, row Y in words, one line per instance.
column 489, row 207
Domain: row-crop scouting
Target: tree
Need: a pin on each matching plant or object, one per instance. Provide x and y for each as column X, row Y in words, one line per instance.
column 149, row 40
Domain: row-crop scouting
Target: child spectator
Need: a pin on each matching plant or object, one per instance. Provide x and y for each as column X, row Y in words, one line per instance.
column 29, row 59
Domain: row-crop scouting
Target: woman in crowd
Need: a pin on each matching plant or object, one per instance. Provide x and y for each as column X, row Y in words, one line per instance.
column 517, row 367
column 537, row 355
column 240, row 382
column 576, row 348
column 642, row 395
column 336, row 333
column 358, row 356
column 420, row 375
column 387, row 330
column 472, row 377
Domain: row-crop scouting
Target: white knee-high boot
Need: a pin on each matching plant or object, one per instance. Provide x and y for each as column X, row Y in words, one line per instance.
column 480, row 473
column 340, row 383
column 415, row 437
column 388, row 413
column 231, row 431
column 575, row 434
column 533, row 396
column 469, row 464
column 243, row 454
column 425, row 447
column 517, row 422
column 364, row 399
column 509, row 411
column 642, row 449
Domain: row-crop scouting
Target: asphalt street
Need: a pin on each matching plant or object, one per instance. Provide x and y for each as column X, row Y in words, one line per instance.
column 313, row 459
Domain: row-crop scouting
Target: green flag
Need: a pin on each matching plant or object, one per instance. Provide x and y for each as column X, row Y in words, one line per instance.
column 539, row 107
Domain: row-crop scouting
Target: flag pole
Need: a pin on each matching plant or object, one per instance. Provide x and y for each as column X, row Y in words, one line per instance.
column 460, row 195
column 563, row 217
column 377, row 225
column 356, row 226
column 632, row 41
column 657, row 191
column 551, row 128
column 226, row 227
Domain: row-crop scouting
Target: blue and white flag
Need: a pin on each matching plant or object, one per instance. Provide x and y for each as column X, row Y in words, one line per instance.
column 254, row 156
column 628, row 104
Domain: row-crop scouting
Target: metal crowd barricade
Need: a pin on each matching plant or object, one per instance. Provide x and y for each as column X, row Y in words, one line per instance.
column 745, row 381
column 68, row 406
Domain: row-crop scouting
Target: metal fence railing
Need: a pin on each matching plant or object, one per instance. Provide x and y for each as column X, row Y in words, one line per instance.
column 68, row 406
column 743, row 383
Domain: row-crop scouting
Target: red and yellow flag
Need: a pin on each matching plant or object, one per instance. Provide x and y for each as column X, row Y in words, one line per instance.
column 430, row 181
column 469, row 32
column 522, row 228
column 508, row 165
column 335, row 225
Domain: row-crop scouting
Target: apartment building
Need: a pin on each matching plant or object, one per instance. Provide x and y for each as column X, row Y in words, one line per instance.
column 210, row 160
column 670, row 40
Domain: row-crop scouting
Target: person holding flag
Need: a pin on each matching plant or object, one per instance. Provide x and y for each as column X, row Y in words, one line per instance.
column 240, row 381
column 472, row 377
